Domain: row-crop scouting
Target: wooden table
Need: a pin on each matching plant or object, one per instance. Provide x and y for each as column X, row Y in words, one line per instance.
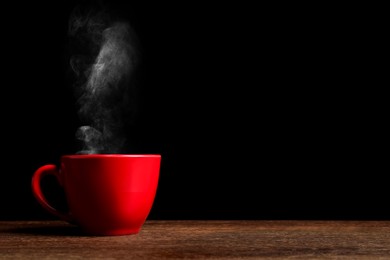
column 201, row 240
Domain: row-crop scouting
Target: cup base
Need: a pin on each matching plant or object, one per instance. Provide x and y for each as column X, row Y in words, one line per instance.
column 114, row 232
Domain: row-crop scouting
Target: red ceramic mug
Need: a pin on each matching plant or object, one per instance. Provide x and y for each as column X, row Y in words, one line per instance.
column 107, row 194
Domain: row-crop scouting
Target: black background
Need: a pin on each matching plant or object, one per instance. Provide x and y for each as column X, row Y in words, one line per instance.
column 258, row 111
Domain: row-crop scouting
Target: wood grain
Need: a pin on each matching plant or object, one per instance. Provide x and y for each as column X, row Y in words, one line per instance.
column 201, row 240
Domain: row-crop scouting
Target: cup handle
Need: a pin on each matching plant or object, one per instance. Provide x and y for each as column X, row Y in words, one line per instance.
column 49, row 169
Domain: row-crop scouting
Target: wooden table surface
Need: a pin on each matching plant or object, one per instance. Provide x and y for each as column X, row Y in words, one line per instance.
column 201, row 240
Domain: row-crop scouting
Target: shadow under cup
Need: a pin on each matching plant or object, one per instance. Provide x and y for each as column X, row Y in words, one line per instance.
column 107, row 194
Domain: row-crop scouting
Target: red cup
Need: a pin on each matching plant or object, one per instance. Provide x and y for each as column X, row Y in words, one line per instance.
column 107, row 194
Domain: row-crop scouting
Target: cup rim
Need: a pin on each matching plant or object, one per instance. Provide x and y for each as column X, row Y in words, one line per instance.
column 79, row 156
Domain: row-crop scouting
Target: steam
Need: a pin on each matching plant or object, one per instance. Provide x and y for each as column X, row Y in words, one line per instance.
column 104, row 65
